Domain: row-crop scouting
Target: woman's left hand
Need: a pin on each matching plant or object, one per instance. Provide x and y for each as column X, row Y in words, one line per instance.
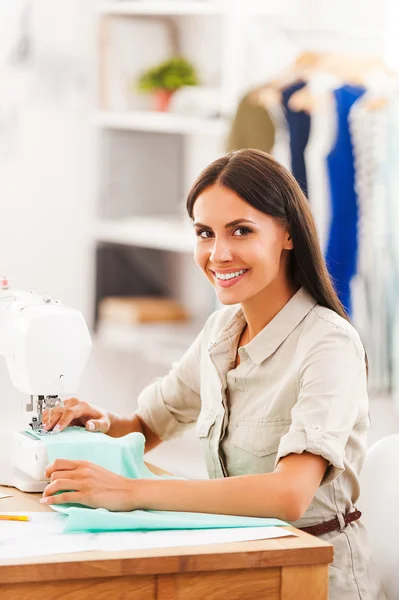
column 82, row 482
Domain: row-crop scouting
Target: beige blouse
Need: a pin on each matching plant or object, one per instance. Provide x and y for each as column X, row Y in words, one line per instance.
column 300, row 386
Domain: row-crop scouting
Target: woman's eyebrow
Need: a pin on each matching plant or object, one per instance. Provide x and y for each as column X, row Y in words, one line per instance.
column 231, row 224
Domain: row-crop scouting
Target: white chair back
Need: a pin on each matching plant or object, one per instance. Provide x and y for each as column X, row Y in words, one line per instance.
column 379, row 502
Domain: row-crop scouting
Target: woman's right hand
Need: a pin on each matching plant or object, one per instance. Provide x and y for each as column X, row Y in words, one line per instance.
column 76, row 412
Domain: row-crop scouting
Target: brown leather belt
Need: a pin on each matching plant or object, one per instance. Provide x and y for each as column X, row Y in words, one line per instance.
column 332, row 525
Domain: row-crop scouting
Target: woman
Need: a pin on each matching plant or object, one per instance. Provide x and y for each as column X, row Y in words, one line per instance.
column 276, row 385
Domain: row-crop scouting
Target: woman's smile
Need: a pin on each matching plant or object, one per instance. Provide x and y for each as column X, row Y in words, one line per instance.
column 228, row 278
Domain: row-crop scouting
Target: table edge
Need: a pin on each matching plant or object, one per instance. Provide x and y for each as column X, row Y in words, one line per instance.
column 83, row 566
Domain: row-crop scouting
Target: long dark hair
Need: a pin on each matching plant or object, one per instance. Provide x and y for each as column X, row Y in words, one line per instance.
column 266, row 185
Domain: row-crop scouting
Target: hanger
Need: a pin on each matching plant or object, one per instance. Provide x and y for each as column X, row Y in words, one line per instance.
column 308, row 98
column 376, row 103
column 356, row 70
column 301, row 69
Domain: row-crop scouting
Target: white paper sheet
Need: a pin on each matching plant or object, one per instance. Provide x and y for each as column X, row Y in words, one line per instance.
column 40, row 536
column 126, row 540
column 43, row 535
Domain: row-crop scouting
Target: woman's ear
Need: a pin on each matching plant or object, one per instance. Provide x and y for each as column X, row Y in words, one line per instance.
column 288, row 243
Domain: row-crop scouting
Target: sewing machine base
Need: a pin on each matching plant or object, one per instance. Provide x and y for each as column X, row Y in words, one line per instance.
column 23, row 467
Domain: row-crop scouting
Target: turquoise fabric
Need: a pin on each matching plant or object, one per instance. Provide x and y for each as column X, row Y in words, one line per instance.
column 100, row 519
column 125, row 456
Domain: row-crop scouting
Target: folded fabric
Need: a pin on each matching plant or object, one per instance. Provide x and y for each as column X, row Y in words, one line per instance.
column 125, row 456
column 100, row 519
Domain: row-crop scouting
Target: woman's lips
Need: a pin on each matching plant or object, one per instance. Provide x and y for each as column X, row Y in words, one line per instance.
column 225, row 283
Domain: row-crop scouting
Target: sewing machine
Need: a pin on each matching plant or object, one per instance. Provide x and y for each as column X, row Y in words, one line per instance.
column 46, row 346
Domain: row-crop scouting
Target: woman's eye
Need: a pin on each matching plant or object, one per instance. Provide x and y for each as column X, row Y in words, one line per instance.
column 241, row 231
column 204, row 234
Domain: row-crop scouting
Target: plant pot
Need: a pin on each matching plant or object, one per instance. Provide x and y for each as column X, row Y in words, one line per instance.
column 162, row 99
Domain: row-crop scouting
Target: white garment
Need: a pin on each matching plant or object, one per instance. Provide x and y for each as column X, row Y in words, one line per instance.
column 373, row 282
column 322, row 135
column 392, row 157
column 281, row 149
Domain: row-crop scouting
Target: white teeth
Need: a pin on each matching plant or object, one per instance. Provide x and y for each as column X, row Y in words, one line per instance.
column 229, row 275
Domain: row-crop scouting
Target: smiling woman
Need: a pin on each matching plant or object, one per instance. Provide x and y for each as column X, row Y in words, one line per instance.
column 275, row 219
column 275, row 383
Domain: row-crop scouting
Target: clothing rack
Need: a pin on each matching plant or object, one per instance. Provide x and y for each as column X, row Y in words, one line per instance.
column 331, row 120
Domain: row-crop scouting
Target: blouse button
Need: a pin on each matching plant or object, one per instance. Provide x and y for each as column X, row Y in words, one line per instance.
column 211, row 344
column 233, row 379
column 316, row 427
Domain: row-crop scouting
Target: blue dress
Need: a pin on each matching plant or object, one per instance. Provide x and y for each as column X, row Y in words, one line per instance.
column 299, row 128
column 341, row 254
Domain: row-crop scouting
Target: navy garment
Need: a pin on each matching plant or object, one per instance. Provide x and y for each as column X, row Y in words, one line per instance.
column 341, row 253
column 299, row 128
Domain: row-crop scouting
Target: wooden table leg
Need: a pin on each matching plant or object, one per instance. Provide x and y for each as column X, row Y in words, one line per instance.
column 304, row 583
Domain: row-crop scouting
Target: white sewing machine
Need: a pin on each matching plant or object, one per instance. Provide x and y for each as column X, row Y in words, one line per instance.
column 46, row 346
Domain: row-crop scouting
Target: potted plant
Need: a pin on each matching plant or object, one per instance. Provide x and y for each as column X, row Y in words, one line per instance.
column 163, row 80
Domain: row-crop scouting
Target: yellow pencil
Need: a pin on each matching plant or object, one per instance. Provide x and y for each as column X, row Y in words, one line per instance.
column 14, row 518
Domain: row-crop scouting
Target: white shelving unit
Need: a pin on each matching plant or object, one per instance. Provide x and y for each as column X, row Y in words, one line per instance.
column 192, row 7
column 160, row 123
column 147, row 160
column 162, row 344
column 162, row 7
column 161, row 233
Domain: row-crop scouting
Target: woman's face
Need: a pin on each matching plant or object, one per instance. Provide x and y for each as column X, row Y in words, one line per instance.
column 241, row 250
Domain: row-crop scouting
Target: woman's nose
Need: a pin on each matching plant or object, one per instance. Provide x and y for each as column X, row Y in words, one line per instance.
column 221, row 251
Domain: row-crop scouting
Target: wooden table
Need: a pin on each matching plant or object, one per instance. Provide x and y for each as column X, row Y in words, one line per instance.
column 292, row 568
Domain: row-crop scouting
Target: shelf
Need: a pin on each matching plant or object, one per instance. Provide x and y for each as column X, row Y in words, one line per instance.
column 193, row 7
column 162, row 233
column 160, row 122
column 160, row 343
column 162, row 7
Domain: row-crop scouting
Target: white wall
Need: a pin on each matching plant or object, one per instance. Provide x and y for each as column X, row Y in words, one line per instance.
column 45, row 151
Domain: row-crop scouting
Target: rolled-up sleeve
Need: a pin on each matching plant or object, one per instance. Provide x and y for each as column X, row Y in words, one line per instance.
column 171, row 403
column 331, row 394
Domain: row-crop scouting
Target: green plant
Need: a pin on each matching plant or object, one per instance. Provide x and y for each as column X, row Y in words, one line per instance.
column 170, row 75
